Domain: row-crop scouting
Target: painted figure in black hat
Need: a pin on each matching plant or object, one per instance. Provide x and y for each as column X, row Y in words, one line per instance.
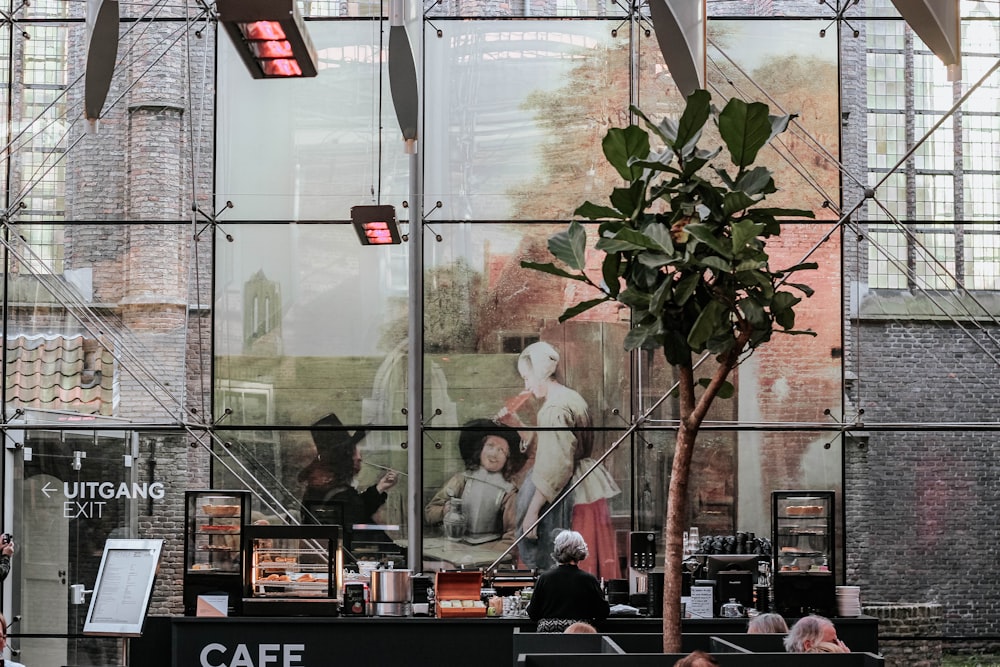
column 485, row 490
column 330, row 496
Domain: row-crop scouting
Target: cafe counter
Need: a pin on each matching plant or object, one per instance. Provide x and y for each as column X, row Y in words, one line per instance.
column 406, row 641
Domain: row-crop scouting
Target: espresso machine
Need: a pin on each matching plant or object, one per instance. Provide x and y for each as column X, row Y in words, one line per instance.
column 641, row 560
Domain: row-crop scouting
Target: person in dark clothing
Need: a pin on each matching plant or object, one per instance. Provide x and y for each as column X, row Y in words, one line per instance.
column 6, row 554
column 330, row 496
column 565, row 594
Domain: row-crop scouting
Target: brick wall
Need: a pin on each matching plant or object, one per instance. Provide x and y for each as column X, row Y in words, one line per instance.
column 908, row 634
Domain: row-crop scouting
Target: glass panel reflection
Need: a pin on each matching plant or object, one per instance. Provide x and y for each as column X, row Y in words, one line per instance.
column 310, row 321
column 310, row 149
column 524, row 147
column 104, row 332
column 329, row 473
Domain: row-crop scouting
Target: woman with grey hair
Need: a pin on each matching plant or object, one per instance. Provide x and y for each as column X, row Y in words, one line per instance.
column 809, row 631
column 565, row 594
column 767, row 624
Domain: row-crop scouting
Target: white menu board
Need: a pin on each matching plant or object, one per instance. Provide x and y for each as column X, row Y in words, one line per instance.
column 123, row 588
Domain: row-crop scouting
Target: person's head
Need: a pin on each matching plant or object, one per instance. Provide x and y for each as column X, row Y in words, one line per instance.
column 580, row 628
column 828, row 647
column 495, row 447
column 338, row 458
column 697, row 659
column 569, row 547
column 537, row 364
column 767, row 624
column 809, row 631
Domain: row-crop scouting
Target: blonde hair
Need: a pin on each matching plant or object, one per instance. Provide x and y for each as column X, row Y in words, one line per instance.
column 827, row 647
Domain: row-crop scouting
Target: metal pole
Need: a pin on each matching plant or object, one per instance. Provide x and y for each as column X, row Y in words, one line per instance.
column 415, row 369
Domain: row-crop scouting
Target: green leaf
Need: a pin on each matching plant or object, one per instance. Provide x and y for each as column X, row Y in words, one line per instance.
column 661, row 295
column 696, row 112
column 692, row 166
column 611, row 272
column 709, row 320
column 643, row 337
column 573, row 311
column 805, row 289
column 570, row 246
column 717, row 263
column 629, row 200
column 784, row 212
column 685, row 288
column 624, row 144
column 779, row 124
column 706, row 235
column 785, row 318
column 750, row 265
column 736, row 201
column 659, row 233
column 756, row 181
column 666, row 129
column 745, row 232
column 627, row 240
column 676, row 349
column 726, row 389
column 634, row 298
column 782, row 301
column 754, row 313
column 804, row 266
column 595, row 212
column 656, row 260
column 554, row 270
column 657, row 161
column 745, row 128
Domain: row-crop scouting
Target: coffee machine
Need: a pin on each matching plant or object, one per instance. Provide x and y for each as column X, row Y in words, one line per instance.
column 641, row 560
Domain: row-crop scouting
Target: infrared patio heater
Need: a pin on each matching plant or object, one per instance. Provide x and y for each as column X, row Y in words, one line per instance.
column 270, row 36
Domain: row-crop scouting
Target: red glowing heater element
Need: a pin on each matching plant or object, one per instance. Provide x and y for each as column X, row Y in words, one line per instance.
column 270, row 37
column 273, row 49
column 375, row 225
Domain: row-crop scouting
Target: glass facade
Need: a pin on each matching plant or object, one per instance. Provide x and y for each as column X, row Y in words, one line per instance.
column 186, row 304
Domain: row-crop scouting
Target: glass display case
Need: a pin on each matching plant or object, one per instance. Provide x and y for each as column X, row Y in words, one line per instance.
column 292, row 570
column 804, row 544
column 213, row 525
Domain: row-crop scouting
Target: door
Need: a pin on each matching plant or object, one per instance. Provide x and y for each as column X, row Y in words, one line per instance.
column 68, row 492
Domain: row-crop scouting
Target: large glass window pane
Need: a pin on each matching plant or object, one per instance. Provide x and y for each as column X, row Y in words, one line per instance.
column 526, row 146
column 313, row 321
column 310, row 149
column 527, row 9
column 982, row 257
column 886, row 258
column 106, row 334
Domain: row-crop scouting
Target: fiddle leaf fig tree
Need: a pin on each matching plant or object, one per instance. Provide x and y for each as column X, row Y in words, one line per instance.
column 684, row 242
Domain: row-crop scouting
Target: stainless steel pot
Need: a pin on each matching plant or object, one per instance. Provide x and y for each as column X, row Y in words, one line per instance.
column 391, row 586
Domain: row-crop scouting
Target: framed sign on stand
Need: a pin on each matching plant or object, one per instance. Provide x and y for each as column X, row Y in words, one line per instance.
column 123, row 588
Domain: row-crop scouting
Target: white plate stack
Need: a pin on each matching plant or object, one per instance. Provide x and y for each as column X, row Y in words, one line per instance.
column 848, row 600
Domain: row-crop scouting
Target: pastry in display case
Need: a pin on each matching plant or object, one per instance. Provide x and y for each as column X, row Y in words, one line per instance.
column 292, row 570
column 803, row 526
column 213, row 526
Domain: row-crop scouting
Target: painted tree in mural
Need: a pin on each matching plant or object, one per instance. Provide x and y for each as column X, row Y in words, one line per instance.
column 684, row 243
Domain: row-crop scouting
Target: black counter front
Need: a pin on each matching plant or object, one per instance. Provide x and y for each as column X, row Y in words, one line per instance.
column 404, row 642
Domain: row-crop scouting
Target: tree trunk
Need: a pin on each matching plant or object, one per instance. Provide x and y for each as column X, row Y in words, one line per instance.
column 676, row 518
column 674, row 527
column 692, row 414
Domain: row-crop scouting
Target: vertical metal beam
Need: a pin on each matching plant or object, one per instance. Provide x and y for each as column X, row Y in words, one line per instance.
column 415, row 371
